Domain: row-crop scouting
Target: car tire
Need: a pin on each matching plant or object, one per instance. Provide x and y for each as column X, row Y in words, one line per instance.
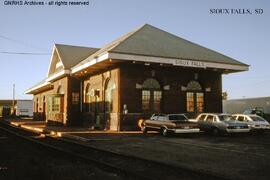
column 215, row 131
column 165, row 132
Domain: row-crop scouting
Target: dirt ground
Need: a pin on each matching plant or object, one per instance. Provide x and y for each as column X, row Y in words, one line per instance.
column 234, row 157
column 20, row 160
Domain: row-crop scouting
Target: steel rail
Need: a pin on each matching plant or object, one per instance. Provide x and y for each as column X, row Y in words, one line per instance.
column 103, row 157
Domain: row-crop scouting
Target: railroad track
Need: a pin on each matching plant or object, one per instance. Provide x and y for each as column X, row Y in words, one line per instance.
column 129, row 167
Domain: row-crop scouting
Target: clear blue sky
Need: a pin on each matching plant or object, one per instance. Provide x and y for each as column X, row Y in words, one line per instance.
column 35, row 29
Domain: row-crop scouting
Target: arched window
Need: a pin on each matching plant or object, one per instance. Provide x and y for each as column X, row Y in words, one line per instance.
column 109, row 90
column 151, row 83
column 60, row 90
column 89, row 98
column 151, row 95
column 194, row 86
column 194, row 97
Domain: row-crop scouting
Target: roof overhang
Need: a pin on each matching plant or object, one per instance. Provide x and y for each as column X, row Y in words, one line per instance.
column 47, row 82
column 58, row 75
column 89, row 63
column 41, row 87
column 223, row 67
column 226, row 68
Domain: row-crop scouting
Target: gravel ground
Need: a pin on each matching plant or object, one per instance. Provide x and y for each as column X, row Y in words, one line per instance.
column 20, row 160
column 233, row 157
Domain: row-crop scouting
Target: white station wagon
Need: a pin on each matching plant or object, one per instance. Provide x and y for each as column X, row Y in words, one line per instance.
column 255, row 122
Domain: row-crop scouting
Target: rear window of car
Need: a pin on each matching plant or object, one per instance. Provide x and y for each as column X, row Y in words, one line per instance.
column 256, row 118
column 177, row 118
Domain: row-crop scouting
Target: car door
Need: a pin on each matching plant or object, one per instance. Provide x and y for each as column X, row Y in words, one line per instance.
column 156, row 122
column 209, row 122
column 201, row 121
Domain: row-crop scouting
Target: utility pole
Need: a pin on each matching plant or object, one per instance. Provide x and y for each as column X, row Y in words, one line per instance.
column 13, row 101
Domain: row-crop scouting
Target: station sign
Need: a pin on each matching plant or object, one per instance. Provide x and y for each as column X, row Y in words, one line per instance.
column 189, row 63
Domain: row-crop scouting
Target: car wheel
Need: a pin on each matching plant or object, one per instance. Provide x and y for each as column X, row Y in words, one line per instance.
column 215, row 131
column 165, row 132
column 144, row 130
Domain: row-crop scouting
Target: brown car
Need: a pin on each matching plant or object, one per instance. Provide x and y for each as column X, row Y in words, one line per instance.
column 170, row 123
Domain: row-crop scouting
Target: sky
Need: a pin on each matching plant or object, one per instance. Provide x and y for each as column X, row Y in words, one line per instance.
column 35, row 29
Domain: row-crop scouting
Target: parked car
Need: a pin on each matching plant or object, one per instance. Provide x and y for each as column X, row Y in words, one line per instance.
column 220, row 123
column 169, row 123
column 255, row 122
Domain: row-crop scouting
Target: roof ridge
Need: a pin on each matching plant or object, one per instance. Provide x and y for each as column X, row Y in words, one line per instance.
column 57, row 44
column 131, row 34
column 109, row 46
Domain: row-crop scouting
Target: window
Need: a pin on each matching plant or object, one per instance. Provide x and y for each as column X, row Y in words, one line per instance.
column 190, row 102
column 161, row 118
column 109, row 91
column 146, row 100
column 89, row 99
column 199, row 102
column 194, row 86
column 60, row 90
column 178, row 117
column 195, row 98
column 157, row 99
column 54, row 104
column 151, row 96
column 210, row 118
column 75, row 98
column 241, row 118
column 201, row 118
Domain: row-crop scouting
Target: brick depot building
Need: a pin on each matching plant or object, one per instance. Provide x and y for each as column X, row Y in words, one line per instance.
column 145, row 71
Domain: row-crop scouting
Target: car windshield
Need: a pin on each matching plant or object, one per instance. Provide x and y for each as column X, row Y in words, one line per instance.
column 177, row 118
column 256, row 118
column 224, row 117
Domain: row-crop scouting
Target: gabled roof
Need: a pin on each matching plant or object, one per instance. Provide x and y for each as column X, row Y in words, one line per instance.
column 69, row 55
column 72, row 55
column 151, row 41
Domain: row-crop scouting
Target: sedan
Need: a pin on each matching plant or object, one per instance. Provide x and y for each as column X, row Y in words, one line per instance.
column 255, row 122
column 170, row 123
column 220, row 123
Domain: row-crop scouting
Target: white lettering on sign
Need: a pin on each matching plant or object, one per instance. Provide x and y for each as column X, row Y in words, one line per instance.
column 188, row 63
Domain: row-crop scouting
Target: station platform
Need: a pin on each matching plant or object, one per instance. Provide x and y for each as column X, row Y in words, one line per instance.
column 77, row 133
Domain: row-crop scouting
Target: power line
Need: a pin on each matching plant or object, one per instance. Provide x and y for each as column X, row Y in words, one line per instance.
column 24, row 53
column 20, row 42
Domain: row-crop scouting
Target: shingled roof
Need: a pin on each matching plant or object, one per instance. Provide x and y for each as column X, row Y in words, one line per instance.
column 151, row 41
column 72, row 55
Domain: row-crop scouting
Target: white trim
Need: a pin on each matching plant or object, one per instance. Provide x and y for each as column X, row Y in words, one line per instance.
column 54, row 47
column 37, row 87
column 56, row 75
column 178, row 62
column 59, row 64
column 90, row 63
